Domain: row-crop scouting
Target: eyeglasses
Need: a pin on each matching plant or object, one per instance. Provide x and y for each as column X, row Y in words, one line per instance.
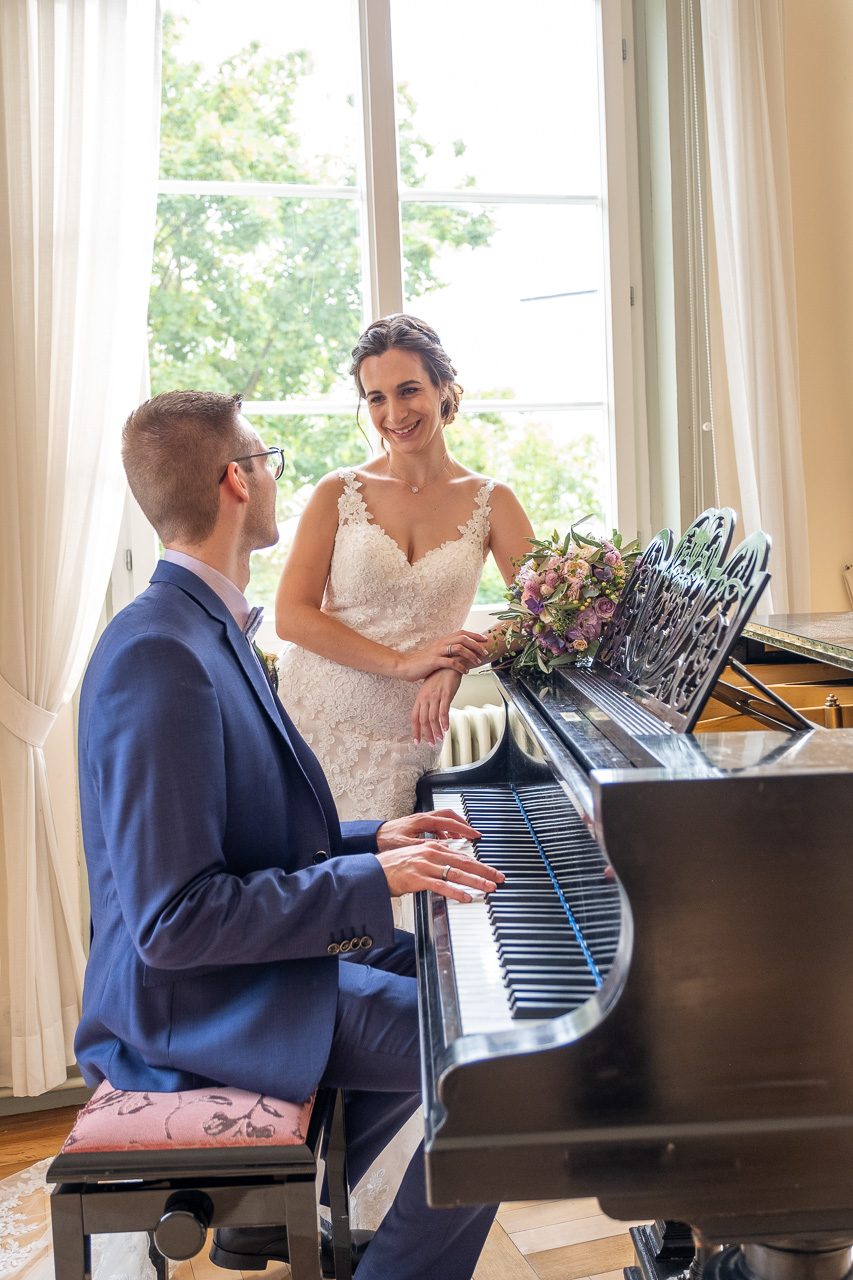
column 275, row 462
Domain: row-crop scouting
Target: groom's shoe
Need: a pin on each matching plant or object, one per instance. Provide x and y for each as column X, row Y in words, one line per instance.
column 251, row 1248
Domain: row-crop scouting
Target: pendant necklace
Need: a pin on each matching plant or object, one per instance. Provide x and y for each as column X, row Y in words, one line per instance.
column 416, row 488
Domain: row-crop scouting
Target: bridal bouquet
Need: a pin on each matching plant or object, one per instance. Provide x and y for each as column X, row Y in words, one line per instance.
column 562, row 596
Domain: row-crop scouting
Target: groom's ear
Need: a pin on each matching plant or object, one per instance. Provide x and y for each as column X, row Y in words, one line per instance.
column 235, row 486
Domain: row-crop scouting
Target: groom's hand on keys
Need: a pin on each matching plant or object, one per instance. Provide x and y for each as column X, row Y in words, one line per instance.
column 439, row 824
column 432, row 865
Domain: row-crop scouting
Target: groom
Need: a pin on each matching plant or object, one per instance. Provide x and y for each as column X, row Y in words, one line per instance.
column 239, row 935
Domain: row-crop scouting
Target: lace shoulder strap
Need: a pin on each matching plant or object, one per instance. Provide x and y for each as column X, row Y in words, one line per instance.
column 351, row 506
column 480, row 519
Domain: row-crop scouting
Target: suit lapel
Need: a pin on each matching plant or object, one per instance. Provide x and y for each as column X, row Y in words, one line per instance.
column 190, row 583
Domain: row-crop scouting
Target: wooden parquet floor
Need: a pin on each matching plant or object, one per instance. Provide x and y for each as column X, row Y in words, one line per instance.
column 550, row 1240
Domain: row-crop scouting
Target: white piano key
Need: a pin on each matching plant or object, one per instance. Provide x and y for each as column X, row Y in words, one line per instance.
column 483, row 997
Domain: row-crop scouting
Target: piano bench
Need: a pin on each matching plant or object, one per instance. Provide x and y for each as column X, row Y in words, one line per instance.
column 175, row 1164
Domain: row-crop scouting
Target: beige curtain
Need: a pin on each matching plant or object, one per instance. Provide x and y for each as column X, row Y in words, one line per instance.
column 744, row 56
column 79, row 116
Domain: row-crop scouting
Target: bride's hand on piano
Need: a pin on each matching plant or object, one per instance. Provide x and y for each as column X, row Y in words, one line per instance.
column 460, row 651
column 438, row 824
column 432, row 865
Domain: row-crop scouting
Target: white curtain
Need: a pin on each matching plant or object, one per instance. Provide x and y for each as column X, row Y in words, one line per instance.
column 744, row 55
column 79, row 123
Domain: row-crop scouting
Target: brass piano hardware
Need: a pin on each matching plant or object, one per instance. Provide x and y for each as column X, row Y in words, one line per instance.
column 834, row 714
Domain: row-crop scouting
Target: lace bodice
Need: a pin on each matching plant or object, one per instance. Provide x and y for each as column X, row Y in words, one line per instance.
column 357, row 723
column 375, row 590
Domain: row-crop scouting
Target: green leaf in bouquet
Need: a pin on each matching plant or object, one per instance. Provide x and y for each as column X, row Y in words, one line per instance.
column 540, row 662
column 581, row 539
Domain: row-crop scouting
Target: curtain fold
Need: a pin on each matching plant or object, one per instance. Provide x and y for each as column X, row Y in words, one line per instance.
column 750, row 182
column 79, row 126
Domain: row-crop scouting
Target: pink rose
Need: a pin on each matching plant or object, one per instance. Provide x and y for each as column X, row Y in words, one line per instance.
column 605, row 608
column 612, row 557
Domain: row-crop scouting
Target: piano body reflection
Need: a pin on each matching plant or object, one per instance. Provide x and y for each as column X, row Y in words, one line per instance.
column 677, row 1040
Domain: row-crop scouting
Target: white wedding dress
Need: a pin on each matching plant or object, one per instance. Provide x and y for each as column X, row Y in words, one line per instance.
column 358, row 724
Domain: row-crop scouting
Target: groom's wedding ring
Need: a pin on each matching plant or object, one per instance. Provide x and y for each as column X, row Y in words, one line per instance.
column 445, row 873
column 450, row 651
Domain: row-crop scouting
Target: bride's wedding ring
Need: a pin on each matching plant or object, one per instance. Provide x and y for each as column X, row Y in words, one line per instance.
column 445, row 873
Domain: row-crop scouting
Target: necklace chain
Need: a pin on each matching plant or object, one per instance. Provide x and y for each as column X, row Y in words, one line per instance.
column 416, row 488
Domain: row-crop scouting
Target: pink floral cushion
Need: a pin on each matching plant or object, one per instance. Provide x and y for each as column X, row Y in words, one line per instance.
column 118, row 1120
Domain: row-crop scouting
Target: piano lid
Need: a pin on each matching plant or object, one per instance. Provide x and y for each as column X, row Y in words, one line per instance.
column 826, row 637
column 764, row 753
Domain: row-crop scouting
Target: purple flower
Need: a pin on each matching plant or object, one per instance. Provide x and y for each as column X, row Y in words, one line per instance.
column 604, row 573
column 605, row 608
column 530, row 602
column 589, row 624
column 552, row 642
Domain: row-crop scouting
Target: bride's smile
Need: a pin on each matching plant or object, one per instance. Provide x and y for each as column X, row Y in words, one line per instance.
column 405, row 408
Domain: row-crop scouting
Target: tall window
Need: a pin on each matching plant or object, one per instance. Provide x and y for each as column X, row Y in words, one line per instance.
column 308, row 184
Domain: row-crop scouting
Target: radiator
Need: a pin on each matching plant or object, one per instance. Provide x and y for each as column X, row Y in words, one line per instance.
column 473, row 733
column 475, row 730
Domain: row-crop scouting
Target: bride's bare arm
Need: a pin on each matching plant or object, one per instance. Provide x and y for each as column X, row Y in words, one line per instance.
column 510, row 530
column 299, row 617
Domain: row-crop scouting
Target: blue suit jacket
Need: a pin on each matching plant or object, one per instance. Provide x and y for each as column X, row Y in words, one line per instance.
column 205, row 816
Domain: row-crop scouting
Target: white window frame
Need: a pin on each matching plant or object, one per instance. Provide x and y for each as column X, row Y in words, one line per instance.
column 381, row 196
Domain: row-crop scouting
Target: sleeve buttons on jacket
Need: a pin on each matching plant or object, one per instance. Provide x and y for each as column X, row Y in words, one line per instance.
column 345, row 946
column 319, row 856
column 366, row 942
column 333, row 948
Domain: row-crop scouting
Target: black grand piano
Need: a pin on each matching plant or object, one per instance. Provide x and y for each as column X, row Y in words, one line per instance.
column 675, row 1038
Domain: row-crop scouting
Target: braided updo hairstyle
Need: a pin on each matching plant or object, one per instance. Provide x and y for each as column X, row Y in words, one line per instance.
column 407, row 333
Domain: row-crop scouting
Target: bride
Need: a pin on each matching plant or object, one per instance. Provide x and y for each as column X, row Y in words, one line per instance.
column 384, row 567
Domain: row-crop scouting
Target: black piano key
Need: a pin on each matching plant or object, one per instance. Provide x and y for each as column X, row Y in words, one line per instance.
column 546, row 965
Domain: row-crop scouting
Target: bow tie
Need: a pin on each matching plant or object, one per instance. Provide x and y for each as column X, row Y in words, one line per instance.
column 254, row 620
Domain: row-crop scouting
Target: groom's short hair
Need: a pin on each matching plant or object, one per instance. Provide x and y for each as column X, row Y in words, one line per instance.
column 175, row 448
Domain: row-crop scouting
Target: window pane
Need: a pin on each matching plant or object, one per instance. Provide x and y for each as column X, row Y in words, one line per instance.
column 261, row 297
column 505, row 93
column 312, row 446
column 522, row 311
column 259, row 92
column 553, row 462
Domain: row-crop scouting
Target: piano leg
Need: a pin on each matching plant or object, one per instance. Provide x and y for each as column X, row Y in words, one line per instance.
column 665, row 1251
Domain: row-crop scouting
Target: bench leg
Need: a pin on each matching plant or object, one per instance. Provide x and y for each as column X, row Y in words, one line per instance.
column 300, row 1198
column 336, row 1172
column 72, row 1256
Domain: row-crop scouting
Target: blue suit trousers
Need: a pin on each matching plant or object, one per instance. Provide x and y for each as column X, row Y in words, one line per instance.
column 375, row 1059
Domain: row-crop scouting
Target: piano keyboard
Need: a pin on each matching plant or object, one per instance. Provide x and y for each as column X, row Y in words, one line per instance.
column 541, row 944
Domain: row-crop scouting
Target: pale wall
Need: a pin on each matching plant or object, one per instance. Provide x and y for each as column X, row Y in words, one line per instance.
column 819, row 38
